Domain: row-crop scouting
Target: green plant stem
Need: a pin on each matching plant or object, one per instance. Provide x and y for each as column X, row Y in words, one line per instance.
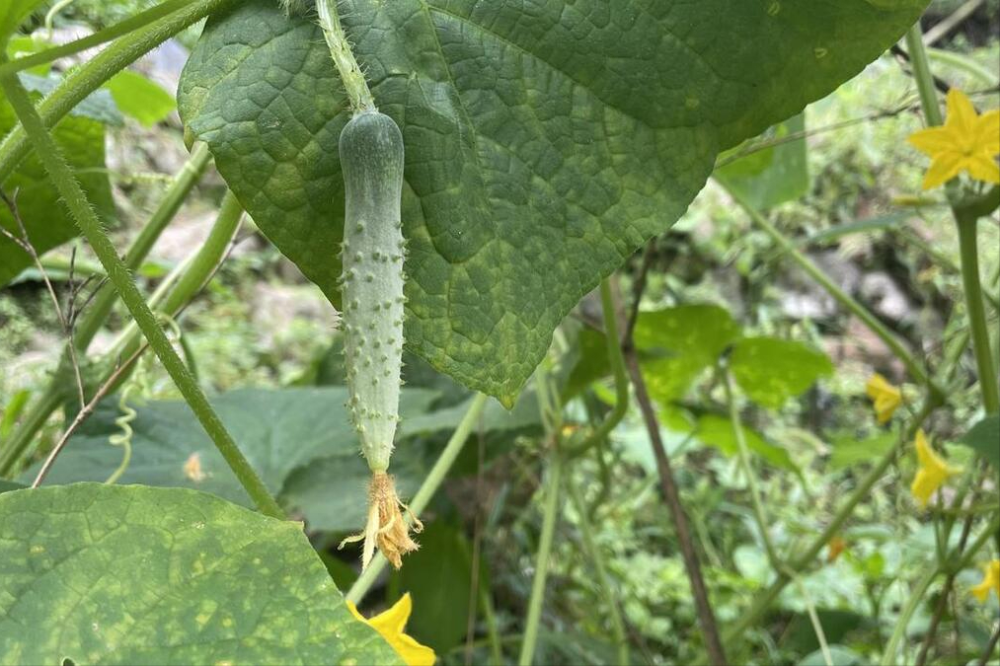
column 744, row 457
column 427, row 489
column 552, row 487
column 603, row 580
column 617, row 361
column 96, row 314
column 131, row 24
column 88, row 77
column 966, row 219
column 922, row 74
column 917, row 371
column 492, row 628
column 76, row 201
column 977, row 313
column 343, row 57
column 764, row 599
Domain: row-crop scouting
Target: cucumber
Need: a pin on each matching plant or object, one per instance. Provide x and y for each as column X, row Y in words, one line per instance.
column 371, row 157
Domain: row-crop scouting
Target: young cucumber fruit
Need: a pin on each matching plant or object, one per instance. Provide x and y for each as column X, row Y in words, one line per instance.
column 371, row 157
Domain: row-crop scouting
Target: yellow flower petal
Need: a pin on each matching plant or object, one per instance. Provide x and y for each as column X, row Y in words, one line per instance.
column 991, row 581
column 982, row 168
column 931, row 474
column 391, row 625
column 961, row 113
column 988, row 131
column 932, row 140
column 885, row 396
column 967, row 143
column 943, row 168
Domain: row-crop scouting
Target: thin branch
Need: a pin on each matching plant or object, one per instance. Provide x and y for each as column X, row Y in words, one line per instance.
column 24, row 242
column 990, row 647
column 82, row 415
column 950, row 23
column 703, row 606
column 638, row 287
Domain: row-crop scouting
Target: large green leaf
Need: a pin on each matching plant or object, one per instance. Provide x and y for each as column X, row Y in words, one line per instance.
column 679, row 343
column 277, row 430
column 47, row 221
column 134, row 575
column 545, row 140
column 770, row 370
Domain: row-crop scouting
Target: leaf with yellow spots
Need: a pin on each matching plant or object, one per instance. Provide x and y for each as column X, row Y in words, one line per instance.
column 131, row 574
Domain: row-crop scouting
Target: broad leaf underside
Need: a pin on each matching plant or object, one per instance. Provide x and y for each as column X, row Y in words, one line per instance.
column 546, row 140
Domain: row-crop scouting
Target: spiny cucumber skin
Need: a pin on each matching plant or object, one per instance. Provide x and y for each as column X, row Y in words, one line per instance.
column 371, row 158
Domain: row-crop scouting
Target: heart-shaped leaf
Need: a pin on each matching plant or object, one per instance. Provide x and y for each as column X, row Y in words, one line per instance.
column 99, row 574
column 545, row 140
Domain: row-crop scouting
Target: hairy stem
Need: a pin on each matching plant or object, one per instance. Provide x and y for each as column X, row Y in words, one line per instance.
column 343, row 57
column 427, row 489
column 76, row 201
column 88, row 77
column 131, row 24
column 922, row 75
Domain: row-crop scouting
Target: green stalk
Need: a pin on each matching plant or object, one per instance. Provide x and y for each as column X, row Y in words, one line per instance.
column 977, row 313
column 764, row 599
column 76, row 201
column 603, row 580
column 744, row 457
column 617, row 361
column 966, row 221
column 427, row 489
column 552, row 487
column 96, row 314
column 922, row 75
column 88, row 77
column 343, row 57
column 857, row 309
column 131, row 24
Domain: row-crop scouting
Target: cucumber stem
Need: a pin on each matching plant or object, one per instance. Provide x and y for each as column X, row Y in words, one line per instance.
column 343, row 57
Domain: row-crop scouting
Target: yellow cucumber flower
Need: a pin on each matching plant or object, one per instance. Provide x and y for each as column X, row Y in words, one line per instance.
column 991, row 581
column 968, row 142
column 886, row 397
column 931, row 474
column 391, row 624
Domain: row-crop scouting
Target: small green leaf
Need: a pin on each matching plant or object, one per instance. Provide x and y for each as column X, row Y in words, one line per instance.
column 984, row 438
column 773, row 175
column 278, row 431
column 545, row 141
column 770, row 371
column 134, row 575
column 717, row 431
column 46, row 219
column 137, row 96
column 850, row 450
column 679, row 343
